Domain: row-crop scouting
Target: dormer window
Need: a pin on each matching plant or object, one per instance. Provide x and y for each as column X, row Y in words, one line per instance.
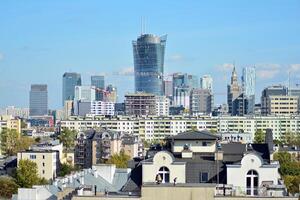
column 204, row 144
column 186, row 147
column 164, row 173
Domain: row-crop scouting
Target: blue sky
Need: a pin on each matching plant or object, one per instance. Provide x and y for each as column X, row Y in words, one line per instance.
column 40, row 40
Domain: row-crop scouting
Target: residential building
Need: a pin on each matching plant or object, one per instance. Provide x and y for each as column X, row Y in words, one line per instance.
column 206, row 82
column 148, row 53
column 70, row 80
column 47, row 162
column 275, row 90
column 102, row 108
column 248, row 84
column 201, row 101
column 140, row 104
column 98, row 82
column 68, row 109
column 233, row 90
column 9, row 122
column 38, row 100
column 95, row 147
column 17, row 112
column 162, row 105
column 283, row 105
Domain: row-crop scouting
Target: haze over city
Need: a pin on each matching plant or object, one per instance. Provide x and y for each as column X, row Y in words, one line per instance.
column 40, row 40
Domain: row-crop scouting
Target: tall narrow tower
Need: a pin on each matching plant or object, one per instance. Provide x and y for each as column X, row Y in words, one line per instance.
column 148, row 53
column 233, row 90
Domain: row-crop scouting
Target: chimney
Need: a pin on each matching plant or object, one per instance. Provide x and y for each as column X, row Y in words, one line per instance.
column 269, row 139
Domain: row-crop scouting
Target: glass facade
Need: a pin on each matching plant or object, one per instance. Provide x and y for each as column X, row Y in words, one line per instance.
column 38, row 100
column 98, row 82
column 248, row 81
column 148, row 53
column 70, row 80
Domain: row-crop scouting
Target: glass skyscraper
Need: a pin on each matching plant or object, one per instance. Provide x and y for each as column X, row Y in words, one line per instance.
column 70, row 80
column 38, row 100
column 148, row 53
column 98, row 82
column 248, row 83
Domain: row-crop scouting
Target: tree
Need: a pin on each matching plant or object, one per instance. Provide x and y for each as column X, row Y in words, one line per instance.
column 291, row 138
column 12, row 142
column 120, row 160
column 259, row 137
column 8, row 187
column 27, row 174
column 67, row 137
column 66, row 169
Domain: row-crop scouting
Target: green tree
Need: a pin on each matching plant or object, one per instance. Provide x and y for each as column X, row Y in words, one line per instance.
column 9, row 140
column 67, row 137
column 8, row 187
column 259, row 136
column 120, row 160
column 66, row 169
column 27, row 174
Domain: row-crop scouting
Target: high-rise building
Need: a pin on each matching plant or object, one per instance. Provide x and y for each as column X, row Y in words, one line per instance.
column 201, row 101
column 70, row 80
column 206, row 82
column 85, row 93
column 110, row 94
column 98, row 82
column 162, row 106
column 168, row 88
column 274, row 90
column 140, row 104
column 240, row 105
column 233, row 90
column 182, row 86
column 248, row 84
column 148, row 53
column 38, row 100
column 102, row 108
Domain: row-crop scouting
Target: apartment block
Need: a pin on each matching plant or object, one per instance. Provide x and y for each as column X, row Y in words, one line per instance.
column 283, row 105
column 102, row 108
column 140, row 104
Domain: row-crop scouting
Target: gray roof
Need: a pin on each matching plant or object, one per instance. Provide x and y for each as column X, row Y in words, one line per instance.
column 194, row 135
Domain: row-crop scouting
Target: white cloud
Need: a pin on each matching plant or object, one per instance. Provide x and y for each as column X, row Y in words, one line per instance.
column 127, row 71
column 294, row 68
column 267, row 71
column 225, row 67
column 175, row 58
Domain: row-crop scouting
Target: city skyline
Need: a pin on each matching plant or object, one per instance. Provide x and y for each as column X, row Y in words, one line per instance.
column 37, row 44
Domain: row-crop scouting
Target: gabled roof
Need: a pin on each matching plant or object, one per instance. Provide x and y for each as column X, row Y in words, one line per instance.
column 194, row 135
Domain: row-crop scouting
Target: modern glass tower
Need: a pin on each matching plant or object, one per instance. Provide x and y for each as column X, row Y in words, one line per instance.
column 148, row 53
column 38, row 100
column 248, row 83
column 98, row 82
column 70, row 80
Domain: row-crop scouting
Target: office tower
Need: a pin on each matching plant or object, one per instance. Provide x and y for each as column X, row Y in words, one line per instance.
column 148, row 53
column 182, row 86
column 168, row 88
column 201, row 101
column 248, row 83
column 275, row 90
column 38, row 100
column 70, row 80
column 68, row 109
column 233, row 90
column 206, row 82
column 240, row 105
column 140, row 104
column 110, row 94
column 98, row 82
column 85, row 93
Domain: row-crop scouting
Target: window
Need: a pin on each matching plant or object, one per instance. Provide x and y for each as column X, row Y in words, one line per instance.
column 43, row 171
column 32, row 157
column 252, row 183
column 43, row 156
column 164, row 173
column 203, row 177
column 43, row 164
column 204, row 144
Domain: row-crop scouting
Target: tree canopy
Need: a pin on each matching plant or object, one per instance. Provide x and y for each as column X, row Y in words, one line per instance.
column 8, row 187
column 259, row 136
column 27, row 174
column 67, row 137
column 120, row 160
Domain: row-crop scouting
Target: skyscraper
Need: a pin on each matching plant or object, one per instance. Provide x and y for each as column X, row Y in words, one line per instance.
column 85, row 93
column 98, row 82
column 70, row 80
column 148, row 53
column 38, row 100
column 233, row 90
column 248, row 83
column 206, row 82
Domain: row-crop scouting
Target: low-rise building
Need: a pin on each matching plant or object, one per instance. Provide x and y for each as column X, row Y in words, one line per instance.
column 47, row 161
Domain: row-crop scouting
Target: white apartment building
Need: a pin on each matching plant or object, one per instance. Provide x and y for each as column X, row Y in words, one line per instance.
column 162, row 105
column 150, row 128
column 102, row 108
column 283, row 105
